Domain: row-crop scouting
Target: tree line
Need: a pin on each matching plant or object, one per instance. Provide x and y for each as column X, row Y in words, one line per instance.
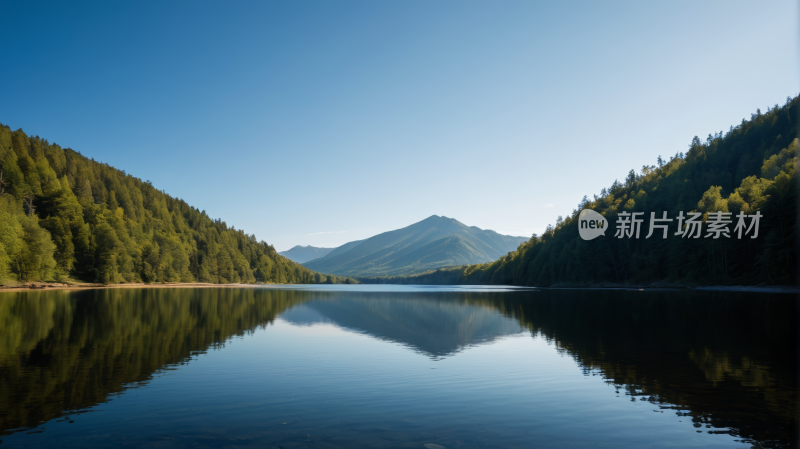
column 750, row 168
column 64, row 216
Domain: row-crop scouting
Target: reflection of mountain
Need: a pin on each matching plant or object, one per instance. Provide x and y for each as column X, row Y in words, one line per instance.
column 436, row 325
column 725, row 361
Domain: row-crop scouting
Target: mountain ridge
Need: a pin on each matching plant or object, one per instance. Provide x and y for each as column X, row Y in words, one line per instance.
column 434, row 242
column 300, row 254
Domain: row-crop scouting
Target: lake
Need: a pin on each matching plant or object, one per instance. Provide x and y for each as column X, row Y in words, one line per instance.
column 381, row 366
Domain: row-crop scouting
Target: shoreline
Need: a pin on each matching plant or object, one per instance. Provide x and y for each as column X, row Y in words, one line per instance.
column 752, row 288
column 759, row 288
column 786, row 289
column 40, row 286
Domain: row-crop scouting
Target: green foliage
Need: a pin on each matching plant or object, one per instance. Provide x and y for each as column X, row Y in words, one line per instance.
column 26, row 249
column 63, row 214
column 35, row 260
column 712, row 201
column 755, row 162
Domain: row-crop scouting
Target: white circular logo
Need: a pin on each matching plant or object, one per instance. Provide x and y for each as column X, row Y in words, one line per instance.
column 591, row 224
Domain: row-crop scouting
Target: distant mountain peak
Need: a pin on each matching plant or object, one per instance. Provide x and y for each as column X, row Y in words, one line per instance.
column 301, row 254
column 434, row 242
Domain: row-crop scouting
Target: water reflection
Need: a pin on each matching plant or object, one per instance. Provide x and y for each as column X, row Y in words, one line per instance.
column 64, row 351
column 725, row 363
column 436, row 325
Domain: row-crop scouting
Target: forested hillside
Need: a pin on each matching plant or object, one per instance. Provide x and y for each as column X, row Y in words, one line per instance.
column 751, row 167
column 63, row 215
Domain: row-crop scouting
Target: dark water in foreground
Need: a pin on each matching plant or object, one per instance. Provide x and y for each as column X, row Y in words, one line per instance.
column 388, row 366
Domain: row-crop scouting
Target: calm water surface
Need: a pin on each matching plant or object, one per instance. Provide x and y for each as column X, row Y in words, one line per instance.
column 389, row 366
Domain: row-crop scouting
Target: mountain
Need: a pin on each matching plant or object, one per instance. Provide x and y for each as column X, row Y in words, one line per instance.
column 341, row 249
column 302, row 254
column 431, row 243
column 431, row 324
column 63, row 215
column 751, row 168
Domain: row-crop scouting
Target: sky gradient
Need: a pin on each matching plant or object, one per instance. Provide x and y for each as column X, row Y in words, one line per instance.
column 320, row 123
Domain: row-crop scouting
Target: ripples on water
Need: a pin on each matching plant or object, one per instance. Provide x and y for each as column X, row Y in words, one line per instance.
column 392, row 366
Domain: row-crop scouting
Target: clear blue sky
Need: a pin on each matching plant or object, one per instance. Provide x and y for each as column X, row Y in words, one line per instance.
column 321, row 122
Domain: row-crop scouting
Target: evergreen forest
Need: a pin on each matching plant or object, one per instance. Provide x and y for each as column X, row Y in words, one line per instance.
column 750, row 168
column 66, row 217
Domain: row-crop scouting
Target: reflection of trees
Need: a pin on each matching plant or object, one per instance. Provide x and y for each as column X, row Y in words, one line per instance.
column 723, row 360
column 64, row 351
column 726, row 360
